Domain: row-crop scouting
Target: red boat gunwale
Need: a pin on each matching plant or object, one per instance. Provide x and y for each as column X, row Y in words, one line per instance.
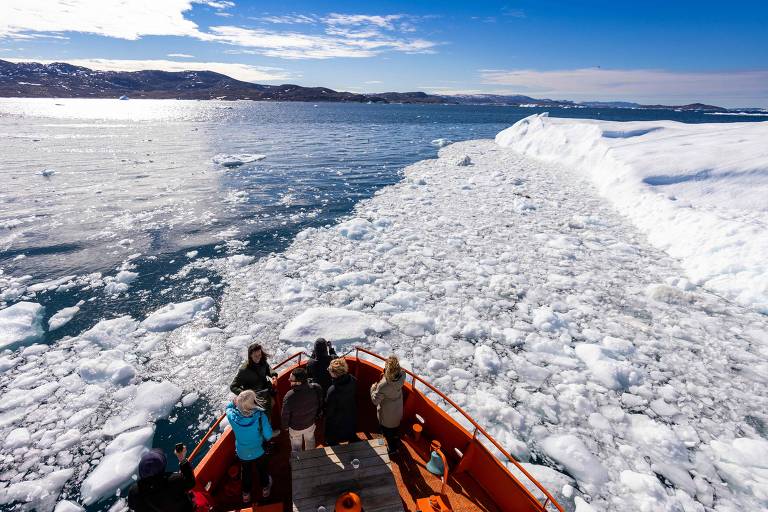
column 465, row 451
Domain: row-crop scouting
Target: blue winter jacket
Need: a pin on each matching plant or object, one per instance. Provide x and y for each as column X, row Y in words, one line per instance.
column 251, row 432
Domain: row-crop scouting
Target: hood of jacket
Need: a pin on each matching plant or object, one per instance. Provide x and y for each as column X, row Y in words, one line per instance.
column 243, row 420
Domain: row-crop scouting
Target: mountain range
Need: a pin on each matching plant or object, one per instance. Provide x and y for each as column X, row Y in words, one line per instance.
column 62, row 80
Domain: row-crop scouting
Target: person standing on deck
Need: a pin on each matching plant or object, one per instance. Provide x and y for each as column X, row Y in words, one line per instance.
column 302, row 406
column 387, row 396
column 160, row 490
column 340, row 405
column 317, row 367
column 250, row 423
column 256, row 375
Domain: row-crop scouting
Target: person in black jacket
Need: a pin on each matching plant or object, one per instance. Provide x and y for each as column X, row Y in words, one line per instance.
column 256, row 375
column 341, row 405
column 317, row 367
column 302, row 406
column 158, row 490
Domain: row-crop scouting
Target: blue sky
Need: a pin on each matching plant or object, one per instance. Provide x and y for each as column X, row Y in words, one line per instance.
column 670, row 51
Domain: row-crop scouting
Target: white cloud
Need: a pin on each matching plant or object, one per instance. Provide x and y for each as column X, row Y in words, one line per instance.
column 363, row 19
column 295, row 45
column 181, row 55
column 642, row 85
column 289, row 19
column 357, row 35
column 242, row 72
column 112, row 18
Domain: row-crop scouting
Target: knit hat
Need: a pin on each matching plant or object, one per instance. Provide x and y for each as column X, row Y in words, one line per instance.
column 152, row 463
column 246, row 402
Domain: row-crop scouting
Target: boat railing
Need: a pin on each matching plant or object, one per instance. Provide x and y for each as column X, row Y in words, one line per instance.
column 478, row 433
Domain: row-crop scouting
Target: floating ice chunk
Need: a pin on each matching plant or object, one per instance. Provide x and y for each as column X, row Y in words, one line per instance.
column 40, row 494
column 68, row 506
column 648, row 495
column 583, row 506
column 190, row 398
column 239, row 342
column 47, row 173
column 240, row 260
column 743, row 463
column 440, row 143
column 552, row 480
column 157, row 398
column 414, row 324
column 337, row 325
column 676, row 474
column 191, row 254
column 111, row 333
column 463, row 161
column 120, row 461
column 21, row 323
column 545, row 319
column 49, row 285
column 62, row 317
column 17, row 437
column 175, row 315
column 356, row 229
column 236, row 160
column 120, row 283
column 569, row 450
column 609, row 372
column 486, row 360
column 108, row 366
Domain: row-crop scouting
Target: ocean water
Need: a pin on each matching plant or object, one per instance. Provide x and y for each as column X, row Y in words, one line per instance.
column 134, row 187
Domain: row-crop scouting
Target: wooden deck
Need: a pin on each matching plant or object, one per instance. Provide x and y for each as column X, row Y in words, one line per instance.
column 321, row 475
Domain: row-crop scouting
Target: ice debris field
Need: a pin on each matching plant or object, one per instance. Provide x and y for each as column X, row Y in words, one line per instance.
column 623, row 363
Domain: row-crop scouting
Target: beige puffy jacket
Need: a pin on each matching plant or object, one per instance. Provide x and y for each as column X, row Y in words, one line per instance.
column 388, row 399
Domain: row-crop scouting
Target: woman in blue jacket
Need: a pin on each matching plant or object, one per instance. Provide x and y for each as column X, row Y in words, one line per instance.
column 252, row 429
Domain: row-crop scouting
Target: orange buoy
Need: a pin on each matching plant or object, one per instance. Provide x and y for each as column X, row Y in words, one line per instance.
column 349, row 502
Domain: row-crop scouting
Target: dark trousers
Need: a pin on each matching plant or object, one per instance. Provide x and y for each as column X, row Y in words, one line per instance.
column 392, row 435
column 246, row 472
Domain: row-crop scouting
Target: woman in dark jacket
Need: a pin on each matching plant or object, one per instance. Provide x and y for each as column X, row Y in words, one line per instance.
column 160, row 490
column 317, row 367
column 256, row 375
column 340, row 405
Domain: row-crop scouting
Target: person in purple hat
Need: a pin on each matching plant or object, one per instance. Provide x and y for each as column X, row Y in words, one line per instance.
column 158, row 490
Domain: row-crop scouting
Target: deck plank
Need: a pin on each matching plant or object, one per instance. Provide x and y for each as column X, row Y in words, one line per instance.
column 321, row 475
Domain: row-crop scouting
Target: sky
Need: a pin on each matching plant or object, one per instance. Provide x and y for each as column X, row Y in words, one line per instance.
column 671, row 52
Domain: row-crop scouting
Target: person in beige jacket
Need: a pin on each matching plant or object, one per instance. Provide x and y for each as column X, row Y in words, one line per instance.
column 387, row 396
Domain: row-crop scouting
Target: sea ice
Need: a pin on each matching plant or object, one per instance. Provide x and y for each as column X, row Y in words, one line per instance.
column 337, row 325
column 236, row 160
column 62, row 317
column 21, row 323
column 677, row 184
column 174, row 315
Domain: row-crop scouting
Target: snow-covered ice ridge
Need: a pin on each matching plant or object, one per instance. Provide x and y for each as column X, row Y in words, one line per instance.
column 519, row 291
column 699, row 191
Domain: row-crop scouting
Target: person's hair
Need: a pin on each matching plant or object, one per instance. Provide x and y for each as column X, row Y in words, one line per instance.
column 392, row 369
column 248, row 401
column 321, row 348
column 300, row 375
column 338, row 367
column 254, row 347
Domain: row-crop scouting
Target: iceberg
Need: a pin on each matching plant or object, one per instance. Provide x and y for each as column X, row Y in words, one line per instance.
column 695, row 199
column 21, row 323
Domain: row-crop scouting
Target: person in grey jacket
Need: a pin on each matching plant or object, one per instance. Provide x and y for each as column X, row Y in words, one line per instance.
column 302, row 405
column 387, row 396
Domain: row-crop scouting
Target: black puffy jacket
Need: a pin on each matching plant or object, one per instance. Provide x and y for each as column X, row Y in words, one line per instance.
column 341, row 410
column 317, row 367
column 168, row 492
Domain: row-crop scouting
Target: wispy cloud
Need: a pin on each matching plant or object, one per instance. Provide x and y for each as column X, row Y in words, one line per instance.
column 181, row 55
column 243, row 72
column 289, row 19
column 644, row 85
column 337, row 35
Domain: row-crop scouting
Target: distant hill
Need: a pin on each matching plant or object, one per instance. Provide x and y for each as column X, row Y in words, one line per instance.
column 62, row 80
